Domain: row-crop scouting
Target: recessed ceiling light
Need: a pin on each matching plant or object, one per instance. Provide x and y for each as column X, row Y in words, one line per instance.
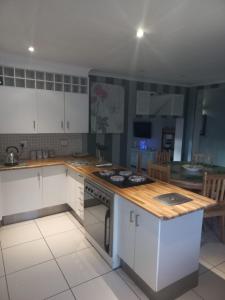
column 140, row 33
column 31, row 49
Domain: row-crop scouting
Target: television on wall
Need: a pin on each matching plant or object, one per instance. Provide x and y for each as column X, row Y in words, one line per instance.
column 142, row 129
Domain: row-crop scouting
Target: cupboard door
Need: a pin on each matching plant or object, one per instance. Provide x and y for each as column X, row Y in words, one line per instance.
column 126, row 236
column 21, row 191
column 77, row 113
column 146, row 246
column 17, row 110
column 54, row 185
column 50, row 111
column 72, row 191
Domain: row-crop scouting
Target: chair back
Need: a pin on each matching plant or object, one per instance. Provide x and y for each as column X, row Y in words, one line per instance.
column 214, row 186
column 159, row 172
column 162, row 156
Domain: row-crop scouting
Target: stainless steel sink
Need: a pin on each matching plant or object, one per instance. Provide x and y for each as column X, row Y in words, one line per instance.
column 172, row 199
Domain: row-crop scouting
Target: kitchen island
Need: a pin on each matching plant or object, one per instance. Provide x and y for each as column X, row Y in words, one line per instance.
column 157, row 245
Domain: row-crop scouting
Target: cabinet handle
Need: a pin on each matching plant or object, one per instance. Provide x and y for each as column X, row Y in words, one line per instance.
column 34, row 125
column 136, row 220
column 66, row 172
column 131, row 216
column 62, row 124
column 68, row 125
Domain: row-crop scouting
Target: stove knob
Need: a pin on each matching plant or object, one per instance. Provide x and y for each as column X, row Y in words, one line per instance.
column 100, row 196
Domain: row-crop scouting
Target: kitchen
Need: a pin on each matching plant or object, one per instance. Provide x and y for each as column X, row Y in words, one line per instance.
column 81, row 215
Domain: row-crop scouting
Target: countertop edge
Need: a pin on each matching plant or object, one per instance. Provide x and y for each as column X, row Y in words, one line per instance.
column 79, row 169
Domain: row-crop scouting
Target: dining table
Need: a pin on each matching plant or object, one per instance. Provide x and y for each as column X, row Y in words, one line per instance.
column 187, row 176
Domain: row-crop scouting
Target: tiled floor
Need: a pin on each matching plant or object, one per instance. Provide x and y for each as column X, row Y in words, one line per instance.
column 49, row 258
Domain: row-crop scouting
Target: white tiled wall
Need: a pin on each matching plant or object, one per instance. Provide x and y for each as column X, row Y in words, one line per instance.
column 75, row 143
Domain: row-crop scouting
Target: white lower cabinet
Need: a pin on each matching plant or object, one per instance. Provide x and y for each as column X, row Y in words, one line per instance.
column 75, row 192
column 126, row 227
column 54, row 185
column 152, row 246
column 21, row 191
column 137, row 240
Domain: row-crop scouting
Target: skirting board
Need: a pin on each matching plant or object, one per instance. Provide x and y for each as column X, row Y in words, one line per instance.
column 170, row 292
column 47, row 211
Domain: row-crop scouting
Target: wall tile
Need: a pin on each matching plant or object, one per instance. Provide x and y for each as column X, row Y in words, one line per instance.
column 42, row 142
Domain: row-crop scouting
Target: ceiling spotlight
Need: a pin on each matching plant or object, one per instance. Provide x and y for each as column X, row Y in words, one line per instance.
column 140, row 33
column 31, row 49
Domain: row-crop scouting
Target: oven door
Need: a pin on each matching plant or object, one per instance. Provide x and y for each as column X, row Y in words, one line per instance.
column 97, row 221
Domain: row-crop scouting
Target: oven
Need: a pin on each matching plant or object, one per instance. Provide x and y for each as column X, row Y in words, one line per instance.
column 98, row 215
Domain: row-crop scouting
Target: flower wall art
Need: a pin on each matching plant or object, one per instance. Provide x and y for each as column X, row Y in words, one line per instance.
column 107, row 108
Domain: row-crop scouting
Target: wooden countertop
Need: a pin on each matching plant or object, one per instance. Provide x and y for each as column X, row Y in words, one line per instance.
column 140, row 195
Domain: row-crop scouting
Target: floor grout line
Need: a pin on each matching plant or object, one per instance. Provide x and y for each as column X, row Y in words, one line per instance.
column 59, row 294
column 23, row 243
column 130, row 286
column 92, row 279
column 6, row 279
column 54, row 258
column 32, row 266
column 66, row 255
column 74, row 252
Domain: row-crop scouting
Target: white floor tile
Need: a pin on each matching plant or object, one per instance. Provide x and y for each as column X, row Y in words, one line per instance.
column 19, row 234
column 53, row 225
column 132, row 285
column 63, row 296
column 221, row 267
column 189, row 296
column 3, row 289
column 17, row 224
column 67, row 242
column 204, row 267
column 211, row 287
column 213, row 253
column 26, row 255
column 52, row 216
column 82, row 266
column 2, row 272
column 36, row 283
column 109, row 286
column 74, row 220
column 218, row 272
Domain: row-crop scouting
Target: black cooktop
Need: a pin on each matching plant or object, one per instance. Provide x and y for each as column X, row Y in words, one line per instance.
column 126, row 183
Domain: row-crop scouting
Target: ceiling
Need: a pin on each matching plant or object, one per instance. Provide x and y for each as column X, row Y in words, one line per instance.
column 184, row 40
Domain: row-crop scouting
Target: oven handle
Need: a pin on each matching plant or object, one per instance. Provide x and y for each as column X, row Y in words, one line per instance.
column 106, row 245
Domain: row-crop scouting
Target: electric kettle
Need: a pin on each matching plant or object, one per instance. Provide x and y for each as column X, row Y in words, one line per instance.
column 12, row 157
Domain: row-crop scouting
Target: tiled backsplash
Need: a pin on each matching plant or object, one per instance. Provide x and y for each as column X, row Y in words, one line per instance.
column 74, row 143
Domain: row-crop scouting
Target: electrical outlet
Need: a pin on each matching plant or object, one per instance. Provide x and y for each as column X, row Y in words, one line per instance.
column 23, row 144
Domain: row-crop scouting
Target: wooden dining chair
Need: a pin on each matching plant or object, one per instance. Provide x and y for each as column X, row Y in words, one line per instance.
column 159, row 172
column 214, row 188
column 162, row 157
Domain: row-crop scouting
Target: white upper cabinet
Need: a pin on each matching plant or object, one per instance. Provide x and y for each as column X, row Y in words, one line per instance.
column 76, row 113
column 50, row 111
column 167, row 105
column 159, row 105
column 17, row 110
